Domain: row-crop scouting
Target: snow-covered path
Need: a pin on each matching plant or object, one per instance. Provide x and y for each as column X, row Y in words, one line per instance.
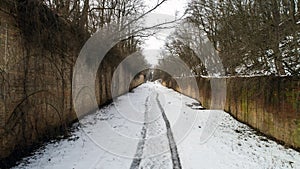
column 156, row 127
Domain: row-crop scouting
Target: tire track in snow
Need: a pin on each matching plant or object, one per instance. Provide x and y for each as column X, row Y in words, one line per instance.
column 141, row 145
column 172, row 143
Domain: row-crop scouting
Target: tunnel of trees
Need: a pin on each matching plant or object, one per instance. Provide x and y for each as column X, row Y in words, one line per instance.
column 251, row 38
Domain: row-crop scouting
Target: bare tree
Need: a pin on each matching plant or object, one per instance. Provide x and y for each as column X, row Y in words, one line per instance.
column 253, row 37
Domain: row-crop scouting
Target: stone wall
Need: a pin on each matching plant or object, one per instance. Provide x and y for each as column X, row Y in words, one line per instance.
column 35, row 89
column 268, row 104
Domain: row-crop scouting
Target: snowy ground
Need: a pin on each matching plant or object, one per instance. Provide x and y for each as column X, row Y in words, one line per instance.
column 133, row 132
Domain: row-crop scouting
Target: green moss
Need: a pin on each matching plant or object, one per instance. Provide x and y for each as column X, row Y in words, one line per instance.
column 293, row 99
column 244, row 109
column 297, row 133
column 271, row 125
column 245, row 105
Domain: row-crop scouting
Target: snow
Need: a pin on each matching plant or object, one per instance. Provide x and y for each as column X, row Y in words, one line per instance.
column 111, row 137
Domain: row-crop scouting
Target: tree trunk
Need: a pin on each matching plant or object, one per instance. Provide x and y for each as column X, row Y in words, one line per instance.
column 277, row 54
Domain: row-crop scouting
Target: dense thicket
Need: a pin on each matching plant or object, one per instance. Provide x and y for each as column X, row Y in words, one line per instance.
column 251, row 36
column 62, row 27
column 41, row 20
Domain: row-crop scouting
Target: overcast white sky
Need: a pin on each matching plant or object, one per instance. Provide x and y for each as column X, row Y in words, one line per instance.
column 166, row 12
column 169, row 7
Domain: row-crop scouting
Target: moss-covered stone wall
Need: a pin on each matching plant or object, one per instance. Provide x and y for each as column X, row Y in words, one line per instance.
column 268, row 104
column 35, row 88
